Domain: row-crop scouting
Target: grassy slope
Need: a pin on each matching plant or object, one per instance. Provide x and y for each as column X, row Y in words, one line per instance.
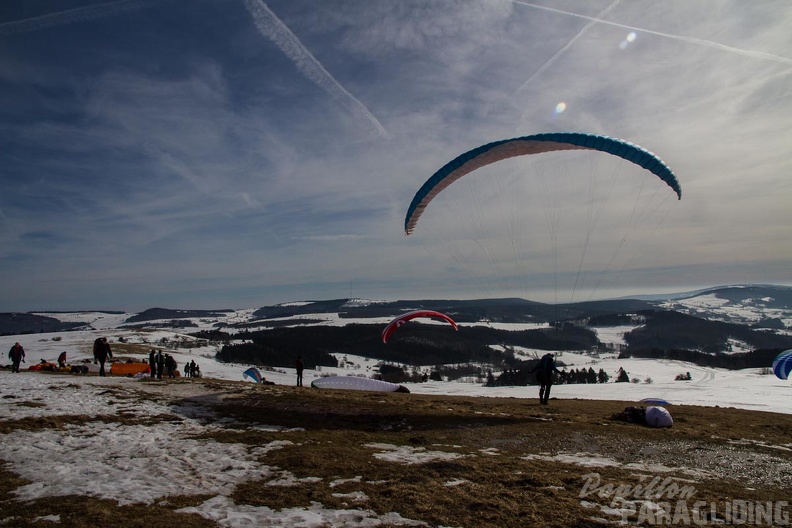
column 501, row 489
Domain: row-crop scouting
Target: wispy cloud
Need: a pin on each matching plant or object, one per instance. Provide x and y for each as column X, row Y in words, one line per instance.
column 209, row 155
column 274, row 29
column 549, row 62
column 333, row 238
column 690, row 40
column 70, row 16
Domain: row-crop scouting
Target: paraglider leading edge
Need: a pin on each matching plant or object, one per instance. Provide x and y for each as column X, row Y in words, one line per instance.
column 534, row 144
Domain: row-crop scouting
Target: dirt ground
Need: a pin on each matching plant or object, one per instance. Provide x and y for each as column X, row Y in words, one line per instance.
column 464, row 462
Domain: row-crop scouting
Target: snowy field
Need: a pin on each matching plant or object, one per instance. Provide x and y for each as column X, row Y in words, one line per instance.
column 126, row 460
column 746, row 389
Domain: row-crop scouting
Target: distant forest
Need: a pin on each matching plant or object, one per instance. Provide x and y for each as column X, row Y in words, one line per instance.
column 15, row 323
column 762, row 358
column 413, row 344
column 663, row 334
column 670, row 330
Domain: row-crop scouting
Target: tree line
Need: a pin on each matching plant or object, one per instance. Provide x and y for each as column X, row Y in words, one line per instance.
column 761, row 358
column 414, row 344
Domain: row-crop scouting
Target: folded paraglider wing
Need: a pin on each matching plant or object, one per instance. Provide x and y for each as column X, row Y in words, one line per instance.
column 357, row 383
column 658, row 417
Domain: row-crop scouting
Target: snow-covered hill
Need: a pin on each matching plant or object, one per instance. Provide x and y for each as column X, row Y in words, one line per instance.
column 766, row 306
column 748, row 389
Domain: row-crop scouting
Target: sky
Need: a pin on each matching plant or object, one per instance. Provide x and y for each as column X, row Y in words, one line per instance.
column 240, row 153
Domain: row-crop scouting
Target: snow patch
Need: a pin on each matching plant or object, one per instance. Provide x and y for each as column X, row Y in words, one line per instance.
column 410, row 455
column 226, row 514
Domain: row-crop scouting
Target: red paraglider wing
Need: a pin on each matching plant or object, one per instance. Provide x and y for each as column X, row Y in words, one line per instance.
column 396, row 323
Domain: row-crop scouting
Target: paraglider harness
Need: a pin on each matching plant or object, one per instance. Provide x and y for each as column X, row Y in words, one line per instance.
column 631, row 415
column 544, row 369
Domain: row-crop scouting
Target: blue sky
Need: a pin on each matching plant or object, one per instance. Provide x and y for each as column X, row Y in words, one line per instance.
column 237, row 153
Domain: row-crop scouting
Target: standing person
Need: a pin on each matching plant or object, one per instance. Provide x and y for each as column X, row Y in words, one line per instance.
column 160, row 359
column 300, row 366
column 153, row 363
column 544, row 375
column 101, row 353
column 16, row 354
column 193, row 369
column 62, row 360
column 170, row 365
column 186, row 370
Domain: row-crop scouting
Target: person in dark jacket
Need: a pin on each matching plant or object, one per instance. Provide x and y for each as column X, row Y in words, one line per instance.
column 299, row 365
column 160, row 359
column 153, row 363
column 62, row 360
column 16, row 354
column 170, row 365
column 544, row 375
column 101, row 352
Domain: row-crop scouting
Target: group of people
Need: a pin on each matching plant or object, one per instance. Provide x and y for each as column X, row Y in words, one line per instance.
column 101, row 351
column 160, row 363
column 17, row 356
column 192, row 370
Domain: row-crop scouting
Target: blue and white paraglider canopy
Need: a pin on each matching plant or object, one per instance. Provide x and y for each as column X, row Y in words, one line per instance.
column 655, row 401
column 782, row 365
column 254, row 374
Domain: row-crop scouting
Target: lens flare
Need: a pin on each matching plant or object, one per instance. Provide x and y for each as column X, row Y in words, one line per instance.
column 560, row 107
column 631, row 36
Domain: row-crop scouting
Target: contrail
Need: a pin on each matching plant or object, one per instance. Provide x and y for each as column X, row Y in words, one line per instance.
column 70, row 16
column 701, row 42
column 549, row 62
column 274, row 29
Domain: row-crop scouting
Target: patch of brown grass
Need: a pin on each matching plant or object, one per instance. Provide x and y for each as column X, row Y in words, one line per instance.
column 61, row 421
column 75, row 511
column 504, row 489
column 495, row 482
column 122, row 349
